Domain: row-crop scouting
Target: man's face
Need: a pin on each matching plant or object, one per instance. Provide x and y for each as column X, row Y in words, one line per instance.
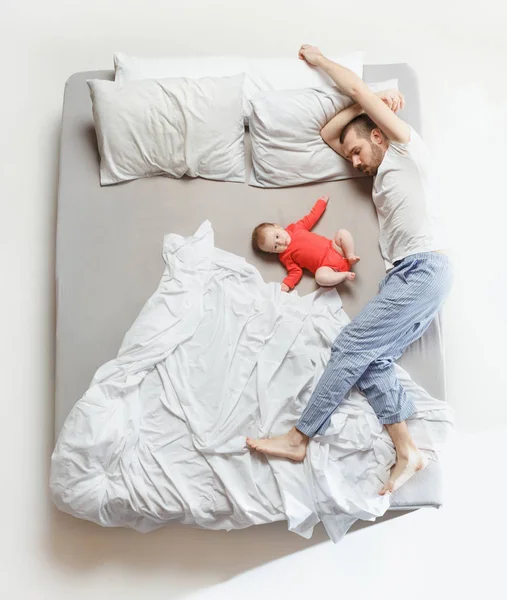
column 365, row 155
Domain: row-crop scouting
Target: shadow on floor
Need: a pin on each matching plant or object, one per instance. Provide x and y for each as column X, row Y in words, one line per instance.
column 82, row 546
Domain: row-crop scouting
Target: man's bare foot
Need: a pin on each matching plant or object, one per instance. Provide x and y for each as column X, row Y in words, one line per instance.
column 291, row 445
column 353, row 259
column 406, row 466
column 351, row 276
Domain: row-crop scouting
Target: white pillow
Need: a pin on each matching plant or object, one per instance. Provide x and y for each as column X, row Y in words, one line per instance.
column 261, row 74
column 287, row 148
column 170, row 127
column 265, row 74
column 129, row 68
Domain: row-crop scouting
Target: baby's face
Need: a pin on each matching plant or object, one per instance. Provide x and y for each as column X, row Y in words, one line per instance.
column 275, row 239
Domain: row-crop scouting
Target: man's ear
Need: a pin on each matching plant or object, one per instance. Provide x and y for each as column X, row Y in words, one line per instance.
column 376, row 136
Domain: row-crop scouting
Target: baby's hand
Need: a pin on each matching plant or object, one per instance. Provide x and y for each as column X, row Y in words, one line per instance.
column 325, row 198
column 285, row 287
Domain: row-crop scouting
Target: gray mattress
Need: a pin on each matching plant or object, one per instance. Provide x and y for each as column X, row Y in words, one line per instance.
column 109, row 242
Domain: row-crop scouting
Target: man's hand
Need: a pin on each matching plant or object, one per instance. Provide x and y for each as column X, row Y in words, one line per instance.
column 380, row 108
column 285, row 288
column 310, row 54
column 393, row 99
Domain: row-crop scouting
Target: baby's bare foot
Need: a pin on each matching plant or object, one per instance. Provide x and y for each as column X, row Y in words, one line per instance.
column 353, row 259
column 351, row 276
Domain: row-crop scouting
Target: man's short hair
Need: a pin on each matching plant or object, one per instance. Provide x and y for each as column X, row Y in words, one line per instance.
column 258, row 234
column 362, row 125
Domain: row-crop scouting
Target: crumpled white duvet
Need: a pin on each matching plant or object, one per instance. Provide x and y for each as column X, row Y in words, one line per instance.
column 215, row 355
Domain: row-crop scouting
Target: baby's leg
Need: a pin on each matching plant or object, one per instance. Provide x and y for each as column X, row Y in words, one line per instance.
column 327, row 277
column 344, row 240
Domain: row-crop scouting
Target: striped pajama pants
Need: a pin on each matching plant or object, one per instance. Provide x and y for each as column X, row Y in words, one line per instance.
column 364, row 352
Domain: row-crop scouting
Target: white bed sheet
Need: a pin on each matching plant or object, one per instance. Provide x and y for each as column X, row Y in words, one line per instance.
column 215, row 355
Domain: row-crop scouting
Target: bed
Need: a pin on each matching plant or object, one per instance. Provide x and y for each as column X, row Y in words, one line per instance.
column 109, row 251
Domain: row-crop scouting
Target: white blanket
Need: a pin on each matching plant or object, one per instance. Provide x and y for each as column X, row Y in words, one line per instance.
column 215, row 355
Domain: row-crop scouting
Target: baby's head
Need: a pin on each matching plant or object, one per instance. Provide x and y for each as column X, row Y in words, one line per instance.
column 269, row 237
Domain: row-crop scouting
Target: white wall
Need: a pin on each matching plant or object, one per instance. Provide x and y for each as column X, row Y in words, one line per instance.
column 458, row 49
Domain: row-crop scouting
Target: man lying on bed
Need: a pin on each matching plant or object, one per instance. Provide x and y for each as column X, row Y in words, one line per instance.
column 377, row 142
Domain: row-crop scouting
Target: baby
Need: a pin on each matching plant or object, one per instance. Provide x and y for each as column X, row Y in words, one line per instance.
column 299, row 248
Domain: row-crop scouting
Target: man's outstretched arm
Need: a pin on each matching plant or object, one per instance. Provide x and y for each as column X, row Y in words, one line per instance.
column 351, row 85
column 332, row 130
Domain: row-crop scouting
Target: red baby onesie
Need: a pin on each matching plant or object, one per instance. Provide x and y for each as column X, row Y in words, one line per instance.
column 309, row 250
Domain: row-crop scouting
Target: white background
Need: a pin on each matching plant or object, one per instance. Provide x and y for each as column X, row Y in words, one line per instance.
column 458, row 49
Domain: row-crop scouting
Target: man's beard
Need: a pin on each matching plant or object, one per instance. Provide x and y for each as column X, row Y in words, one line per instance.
column 377, row 156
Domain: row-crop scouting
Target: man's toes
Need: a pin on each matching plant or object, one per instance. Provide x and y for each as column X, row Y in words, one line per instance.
column 387, row 489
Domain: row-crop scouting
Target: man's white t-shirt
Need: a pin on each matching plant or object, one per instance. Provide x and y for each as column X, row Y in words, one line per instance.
column 405, row 196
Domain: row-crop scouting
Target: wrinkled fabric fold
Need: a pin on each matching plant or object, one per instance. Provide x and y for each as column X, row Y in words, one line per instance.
column 216, row 355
